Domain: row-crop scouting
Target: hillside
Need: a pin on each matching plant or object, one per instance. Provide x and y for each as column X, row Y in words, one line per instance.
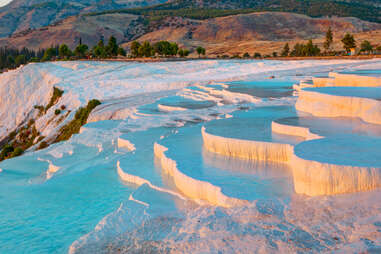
column 369, row 10
column 262, row 31
column 21, row 15
column 89, row 28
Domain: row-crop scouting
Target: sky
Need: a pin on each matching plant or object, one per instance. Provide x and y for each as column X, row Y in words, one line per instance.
column 4, row 2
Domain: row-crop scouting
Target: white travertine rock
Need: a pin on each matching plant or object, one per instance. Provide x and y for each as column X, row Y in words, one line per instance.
column 293, row 131
column 247, row 149
column 140, row 181
column 328, row 105
column 165, row 108
column 341, row 79
column 311, row 177
column 193, row 188
column 124, row 143
column 321, row 82
column 315, row 178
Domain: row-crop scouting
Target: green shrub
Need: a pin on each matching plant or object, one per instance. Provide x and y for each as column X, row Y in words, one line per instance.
column 17, row 152
column 57, row 93
column 257, row 55
column 6, row 151
column 57, row 112
column 80, row 119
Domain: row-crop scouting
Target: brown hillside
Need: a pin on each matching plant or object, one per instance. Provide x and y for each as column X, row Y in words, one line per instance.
column 259, row 32
column 89, row 28
column 263, row 32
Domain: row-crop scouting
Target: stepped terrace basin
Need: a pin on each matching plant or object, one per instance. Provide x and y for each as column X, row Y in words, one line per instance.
column 232, row 156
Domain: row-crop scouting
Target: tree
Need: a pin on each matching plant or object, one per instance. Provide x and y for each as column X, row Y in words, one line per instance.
column 174, row 48
column 145, row 49
column 101, row 43
column 310, row 49
column 257, row 55
column 297, row 50
column 99, row 52
column 49, row 54
column 121, row 52
column 366, row 47
column 183, row 52
column 286, row 50
column 64, row 51
column 246, row 55
column 163, row 48
column 112, row 47
column 200, row 51
column 328, row 39
column 166, row 48
column 19, row 60
column 348, row 42
column 10, row 61
column 135, row 48
column 275, row 54
column 81, row 50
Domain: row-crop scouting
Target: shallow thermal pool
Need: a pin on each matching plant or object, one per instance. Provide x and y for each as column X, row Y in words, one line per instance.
column 139, row 179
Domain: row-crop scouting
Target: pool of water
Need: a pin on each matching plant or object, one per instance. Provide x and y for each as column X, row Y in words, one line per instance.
column 78, row 196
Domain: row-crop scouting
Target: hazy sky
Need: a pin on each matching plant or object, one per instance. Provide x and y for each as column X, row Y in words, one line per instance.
column 4, row 2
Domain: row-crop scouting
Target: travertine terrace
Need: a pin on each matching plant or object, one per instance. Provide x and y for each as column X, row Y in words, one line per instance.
column 202, row 156
column 322, row 165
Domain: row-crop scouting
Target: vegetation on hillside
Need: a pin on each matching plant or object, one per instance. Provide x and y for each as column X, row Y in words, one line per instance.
column 205, row 9
column 161, row 48
column 79, row 120
column 310, row 49
column 27, row 135
column 12, row 58
column 19, row 141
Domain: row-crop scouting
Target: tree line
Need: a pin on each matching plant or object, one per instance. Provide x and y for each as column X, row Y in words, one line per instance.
column 310, row 49
column 13, row 58
column 101, row 50
column 162, row 49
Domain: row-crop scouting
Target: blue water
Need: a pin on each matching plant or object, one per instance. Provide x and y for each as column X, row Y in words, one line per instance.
column 40, row 215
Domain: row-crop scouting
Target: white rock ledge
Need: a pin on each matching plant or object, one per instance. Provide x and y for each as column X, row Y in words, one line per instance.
column 247, row 149
column 193, row 188
column 315, row 178
column 312, row 178
column 341, row 79
column 291, row 130
column 328, row 105
column 126, row 144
